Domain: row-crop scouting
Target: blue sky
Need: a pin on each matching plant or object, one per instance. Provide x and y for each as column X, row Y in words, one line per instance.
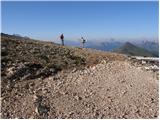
column 93, row 20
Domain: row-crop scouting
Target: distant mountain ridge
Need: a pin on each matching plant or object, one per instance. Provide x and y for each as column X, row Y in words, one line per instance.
column 111, row 45
column 130, row 49
column 106, row 45
column 152, row 46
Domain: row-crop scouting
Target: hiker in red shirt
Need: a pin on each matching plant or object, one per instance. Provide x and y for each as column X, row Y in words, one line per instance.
column 62, row 39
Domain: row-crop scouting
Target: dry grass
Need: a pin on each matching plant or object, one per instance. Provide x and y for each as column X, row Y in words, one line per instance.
column 48, row 55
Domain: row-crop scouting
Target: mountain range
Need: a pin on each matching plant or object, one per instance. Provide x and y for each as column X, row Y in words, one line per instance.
column 148, row 48
column 133, row 50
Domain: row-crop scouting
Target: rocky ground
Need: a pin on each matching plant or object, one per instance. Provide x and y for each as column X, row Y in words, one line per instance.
column 45, row 80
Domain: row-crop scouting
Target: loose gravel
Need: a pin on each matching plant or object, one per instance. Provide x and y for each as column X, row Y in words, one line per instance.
column 114, row 89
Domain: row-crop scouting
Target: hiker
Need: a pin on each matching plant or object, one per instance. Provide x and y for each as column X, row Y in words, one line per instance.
column 83, row 41
column 62, row 39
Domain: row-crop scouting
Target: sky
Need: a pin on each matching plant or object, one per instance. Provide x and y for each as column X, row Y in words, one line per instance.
column 92, row 20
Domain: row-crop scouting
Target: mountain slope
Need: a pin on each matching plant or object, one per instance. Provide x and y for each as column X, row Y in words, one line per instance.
column 152, row 46
column 133, row 50
column 45, row 58
column 50, row 81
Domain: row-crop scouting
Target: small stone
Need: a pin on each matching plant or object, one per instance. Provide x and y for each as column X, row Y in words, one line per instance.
column 35, row 97
column 36, row 110
column 93, row 68
column 78, row 97
column 143, row 62
column 74, row 70
column 103, row 62
column 85, row 71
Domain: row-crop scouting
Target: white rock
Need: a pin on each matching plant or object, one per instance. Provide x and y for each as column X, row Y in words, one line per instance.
column 93, row 68
column 143, row 62
column 35, row 97
column 36, row 110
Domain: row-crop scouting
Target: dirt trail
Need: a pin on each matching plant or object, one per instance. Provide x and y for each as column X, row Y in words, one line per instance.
column 108, row 90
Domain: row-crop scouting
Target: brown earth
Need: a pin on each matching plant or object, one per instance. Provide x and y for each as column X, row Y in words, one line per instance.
column 68, row 82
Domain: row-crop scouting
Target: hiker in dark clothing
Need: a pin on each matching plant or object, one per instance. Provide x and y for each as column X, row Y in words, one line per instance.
column 83, row 41
column 62, row 39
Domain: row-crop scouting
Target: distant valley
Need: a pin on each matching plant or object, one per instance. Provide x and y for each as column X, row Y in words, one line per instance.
column 147, row 48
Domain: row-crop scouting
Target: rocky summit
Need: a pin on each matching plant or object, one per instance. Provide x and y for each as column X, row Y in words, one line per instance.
column 46, row 80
